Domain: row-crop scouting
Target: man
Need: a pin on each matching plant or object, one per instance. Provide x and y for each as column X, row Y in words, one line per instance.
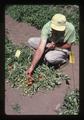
column 57, row 36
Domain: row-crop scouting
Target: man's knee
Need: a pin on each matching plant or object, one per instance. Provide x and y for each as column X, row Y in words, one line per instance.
column 48, row 58
column 34, row 42
column 54, row 58
column 30, row 41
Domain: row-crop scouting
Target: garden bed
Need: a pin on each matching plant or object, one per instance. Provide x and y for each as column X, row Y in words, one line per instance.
column 44, row 77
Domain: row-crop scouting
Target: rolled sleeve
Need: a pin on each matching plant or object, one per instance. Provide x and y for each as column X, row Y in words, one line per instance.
column 72, row 37
column 45, row 31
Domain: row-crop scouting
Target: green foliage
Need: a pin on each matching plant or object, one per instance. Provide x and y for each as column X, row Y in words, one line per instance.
column 16, row 108
column 15, row 68
column 38, row 15
column 71, row 104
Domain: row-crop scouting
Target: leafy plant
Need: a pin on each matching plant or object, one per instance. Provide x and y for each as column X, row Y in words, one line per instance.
column 71, row 104
column 44, row 77
column 16, row 108
column 38, row 15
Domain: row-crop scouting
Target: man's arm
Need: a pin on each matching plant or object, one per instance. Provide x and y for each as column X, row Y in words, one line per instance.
column 66, row 46
column 38, row 54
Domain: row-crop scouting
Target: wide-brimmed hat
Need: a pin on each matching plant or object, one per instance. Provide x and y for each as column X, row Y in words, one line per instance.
column 58, row 22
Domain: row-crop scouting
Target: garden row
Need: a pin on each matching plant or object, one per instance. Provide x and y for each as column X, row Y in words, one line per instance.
column 38, row 15
column 44, row 77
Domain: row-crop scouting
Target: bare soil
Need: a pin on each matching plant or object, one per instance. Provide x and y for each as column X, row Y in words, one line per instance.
column 42, row 102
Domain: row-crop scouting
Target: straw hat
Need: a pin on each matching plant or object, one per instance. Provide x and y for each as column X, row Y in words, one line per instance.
column 58, row 22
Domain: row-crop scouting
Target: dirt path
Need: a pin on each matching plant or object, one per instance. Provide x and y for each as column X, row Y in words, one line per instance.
column 40, row 103
column 20, row 32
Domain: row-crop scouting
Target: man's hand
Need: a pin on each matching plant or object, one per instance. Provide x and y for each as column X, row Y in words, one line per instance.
column 30, row 79
column 38, row 54
column 29, row 71
column 50, row 45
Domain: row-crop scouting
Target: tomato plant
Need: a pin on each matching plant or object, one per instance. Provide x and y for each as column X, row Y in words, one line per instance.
column 44, row 77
